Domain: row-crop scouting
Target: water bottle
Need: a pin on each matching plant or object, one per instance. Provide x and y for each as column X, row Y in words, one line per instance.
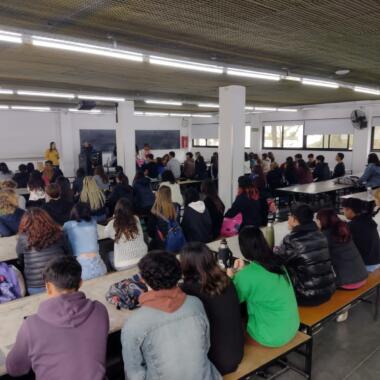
column 269, row 234
column 369, row 192
column 224, row 255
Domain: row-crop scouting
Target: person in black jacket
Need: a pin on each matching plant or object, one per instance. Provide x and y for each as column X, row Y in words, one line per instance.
column 144, row 197
column 121, row 190
column 364, row 232
column 203, row 278
column 348, row 265
column 322, row 170
column 290, row 172
column 150, row 168
column 305, row 252
column 214, row 205
column 58, row 208
column 340, row 169
column 22, row 177
column 78, row 183
column 274, row 177
column 200, row 168
column 196, row 221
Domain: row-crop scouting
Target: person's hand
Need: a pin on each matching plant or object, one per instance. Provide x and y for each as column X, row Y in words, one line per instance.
column 239, row 264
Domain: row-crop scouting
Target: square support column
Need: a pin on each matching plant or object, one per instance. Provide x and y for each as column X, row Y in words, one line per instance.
column 231, row 140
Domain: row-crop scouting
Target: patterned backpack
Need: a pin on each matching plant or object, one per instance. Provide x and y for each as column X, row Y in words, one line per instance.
column 9, row 286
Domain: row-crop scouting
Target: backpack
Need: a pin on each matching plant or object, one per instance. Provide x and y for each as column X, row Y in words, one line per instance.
column 175, row 238
column 125, row 294
column 231, row 226
column 9, row 286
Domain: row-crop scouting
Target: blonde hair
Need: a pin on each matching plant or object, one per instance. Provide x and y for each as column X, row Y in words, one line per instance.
column 8, row 184
column 8, row 201
column 91, row 194
column 163, row 205
column 376, row 195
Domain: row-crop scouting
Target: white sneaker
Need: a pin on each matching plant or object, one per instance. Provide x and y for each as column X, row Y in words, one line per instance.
column 342, row 317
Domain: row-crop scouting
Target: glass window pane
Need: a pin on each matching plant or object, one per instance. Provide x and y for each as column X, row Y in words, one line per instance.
column 247, row 140
column 293, row 136
column 212, row 142
column 376, row 138
column 314, row 141
column 272, row 136
column 326, row 141
column 199, row 142
column 338, row 141
column 351, row 142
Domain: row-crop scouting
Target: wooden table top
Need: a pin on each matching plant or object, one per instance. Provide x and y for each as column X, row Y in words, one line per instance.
column 315, row 187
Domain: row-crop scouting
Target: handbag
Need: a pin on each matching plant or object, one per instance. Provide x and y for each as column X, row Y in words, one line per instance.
column 231, row 226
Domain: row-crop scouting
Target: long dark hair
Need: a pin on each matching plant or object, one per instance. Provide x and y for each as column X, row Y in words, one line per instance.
column 123, row 179
column 99, row 170
column 65, row 187
column 4, row 168
column 81, row 211
column 259, row 178
column 35, row 181
column 302, row 165
column 125, row 222
column 373, row 159
column 208, row 188
column 199, row 265
column 330, row 221
column 254, row 247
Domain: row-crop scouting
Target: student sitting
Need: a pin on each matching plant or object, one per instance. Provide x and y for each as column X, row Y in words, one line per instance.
column 168, row 337
column 304, row 175
column 306, row 254
column 48, row 174
column 10, row 213
column 173, row 165
column 214, row 206
column 40, row 240
column 265, row 286
column 290, row 172
column 311, row 161
column 150, row 168
column 371, row 176
column 95, row 198
column 78, row 183
column 339, row 170
column 144, row 197
column 196, row 221
column 322, row 170
column 348, row 265
column 66, row 193
column 125, row 229
column 247, row 203
column 274, row 177
column 10, row 184
column 265, row 163
column 81, row 232
column 67, row 338
column 189, row 166
column 169, row 180
column 258, row 178
column 22, row 177
column 121, row 190
column 36, row 188
column 58, row 209
column 163, row 212
column 364, row 232
column 203, row 278
column 5, row 173
column 101, row 178
column 200, row 168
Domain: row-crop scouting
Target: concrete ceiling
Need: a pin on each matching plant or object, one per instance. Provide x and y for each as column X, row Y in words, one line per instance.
column 310, row 38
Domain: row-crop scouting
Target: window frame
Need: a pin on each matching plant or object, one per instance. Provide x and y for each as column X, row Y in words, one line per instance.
column 373, row 138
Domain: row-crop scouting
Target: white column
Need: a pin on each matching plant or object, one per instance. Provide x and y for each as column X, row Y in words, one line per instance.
column 125, row 139
column 66, row 152
column 231, row 140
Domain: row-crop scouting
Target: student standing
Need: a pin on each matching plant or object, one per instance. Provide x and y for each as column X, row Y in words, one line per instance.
column 95, row 198
column 214, row 165
column 322, row 170
column 200, row 168
column 265, row 286
column 40, row 240
column 340, row 169
column 168, row 337
column 150, row 167
column 10, row 213
column 364, row 232
column 305, row 253
column 125, row 229
column 189, row 166
column 371, row 176
column 169, row 180
column 174, row 165
column 203, row 278
column 67, row 338
column 52, row 154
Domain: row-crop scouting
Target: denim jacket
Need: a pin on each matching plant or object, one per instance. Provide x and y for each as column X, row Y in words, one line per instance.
column 158, row 345
column 371, row 176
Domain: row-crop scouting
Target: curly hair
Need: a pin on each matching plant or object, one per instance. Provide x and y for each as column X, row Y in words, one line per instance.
column 40, row 229
column 125, row 222
column 160, row 270
column 8, row 201
column 8, row 184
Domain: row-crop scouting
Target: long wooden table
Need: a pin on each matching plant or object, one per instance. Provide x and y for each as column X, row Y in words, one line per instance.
column 8, row 245
column 12, row 313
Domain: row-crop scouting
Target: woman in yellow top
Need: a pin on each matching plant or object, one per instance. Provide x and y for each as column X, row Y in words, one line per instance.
column 52, row 154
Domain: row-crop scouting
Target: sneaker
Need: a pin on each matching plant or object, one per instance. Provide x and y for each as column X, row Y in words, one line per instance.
column 342, row 317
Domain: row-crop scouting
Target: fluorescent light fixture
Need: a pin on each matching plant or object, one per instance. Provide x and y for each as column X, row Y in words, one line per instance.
column 320, row 83
column 139, row 113
column 200, row 115
column 86, row 48
column 366, row 90
column 253, row 74
column 102, row 98
column 47, row 94
column 163, row 102
column 4, row 91
column 292, row 78
column 4, row 107
column 156, row 114
column 249, row 108
column 208, row 105
column 10, row 37
column 84, row 111
column 30, row 108
column 265, row 109
column 180, row 114
column 287, row 110
column 187, row 65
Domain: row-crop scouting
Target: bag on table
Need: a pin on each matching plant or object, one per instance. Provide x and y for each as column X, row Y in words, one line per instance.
column 125, row 294
column 9, row 286
column 231, row 226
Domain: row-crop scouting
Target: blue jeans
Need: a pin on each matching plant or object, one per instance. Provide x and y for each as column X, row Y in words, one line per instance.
column 372, row 268
column 33, row 291
column 92, row 267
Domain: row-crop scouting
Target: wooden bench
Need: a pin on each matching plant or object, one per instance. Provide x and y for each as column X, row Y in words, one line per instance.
column 313, row 317
column 256, row 358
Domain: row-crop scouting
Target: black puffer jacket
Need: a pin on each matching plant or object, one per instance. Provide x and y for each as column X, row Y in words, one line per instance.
column 305, row 253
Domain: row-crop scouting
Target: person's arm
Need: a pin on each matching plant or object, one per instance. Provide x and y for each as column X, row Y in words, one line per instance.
column 287, row 250
column 18, row 360
column 366, row 175
column 234, row 210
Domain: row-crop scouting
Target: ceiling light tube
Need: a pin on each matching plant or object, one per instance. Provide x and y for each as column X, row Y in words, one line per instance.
column 46, row 94
column 4, row 91
column 249, row 108
column 320, row 83
column 366, row 90
column 187, row 65
column 180, row 114
column 208, row 105
column 163, row 102
column 30, row 108
column 253, row 74
column 84, row 111
column 4, row 107
column 10, row 37
column 101, row 98
column 200, row 115
column 139, row 113
column 287, row 110
column 156, row 114
column 265, row 109
column 292, row 78
column 86, row 48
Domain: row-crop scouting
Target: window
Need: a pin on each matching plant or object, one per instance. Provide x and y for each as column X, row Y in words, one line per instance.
column 293, row 136
column 375, row 145
column 212, row 142
column 272, row 136
column 338, row 142
column 247, row 140
column 199, row 142
column 314, row 141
